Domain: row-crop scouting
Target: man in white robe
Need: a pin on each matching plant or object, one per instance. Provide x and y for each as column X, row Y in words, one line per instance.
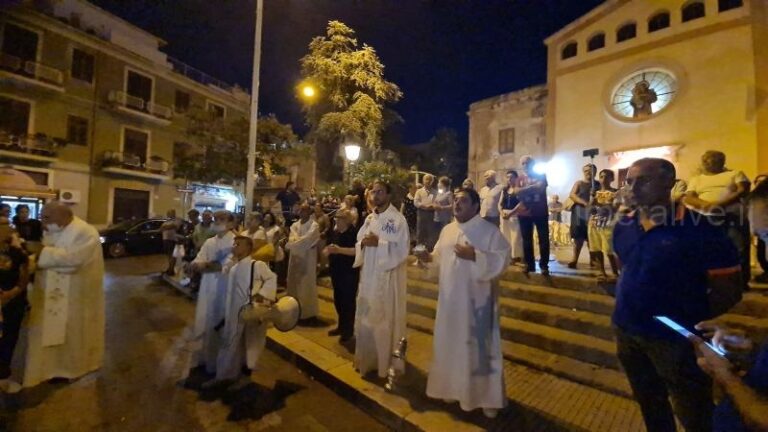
column 213, row 288
column 381, row 249
column 242, row 343
column 64, row 332
column 467, row 364
column 302, row 263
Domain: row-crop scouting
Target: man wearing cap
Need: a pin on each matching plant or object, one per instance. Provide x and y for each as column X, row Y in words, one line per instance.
column 489, row 198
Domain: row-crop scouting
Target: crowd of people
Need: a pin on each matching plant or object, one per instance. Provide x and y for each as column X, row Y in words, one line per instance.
column 679, row 249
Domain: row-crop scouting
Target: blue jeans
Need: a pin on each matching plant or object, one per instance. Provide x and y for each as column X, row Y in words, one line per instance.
column 659, row 368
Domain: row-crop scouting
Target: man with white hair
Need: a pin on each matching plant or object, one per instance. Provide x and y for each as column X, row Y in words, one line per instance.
column 489, row 198
column 65, row 329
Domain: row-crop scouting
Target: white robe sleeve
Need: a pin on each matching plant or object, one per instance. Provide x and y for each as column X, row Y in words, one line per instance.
column 70, row 258
column 359, row 253
column 389, row 253
column 301, row 243
column 268, row 288
column 202, row 254
column 491, row 263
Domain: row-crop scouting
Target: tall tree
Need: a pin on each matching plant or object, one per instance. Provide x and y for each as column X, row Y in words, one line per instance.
column 352, row 92
column 217, row 149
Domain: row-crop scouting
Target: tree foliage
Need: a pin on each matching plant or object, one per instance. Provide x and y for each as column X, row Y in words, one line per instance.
column 352, row 91
column 217, row 149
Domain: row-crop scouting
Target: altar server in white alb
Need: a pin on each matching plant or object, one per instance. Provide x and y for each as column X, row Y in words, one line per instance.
column 243, row 342
column 302, row 263
column 382, row 248
column 64, row 332
column 213, row 288
column 467, row 365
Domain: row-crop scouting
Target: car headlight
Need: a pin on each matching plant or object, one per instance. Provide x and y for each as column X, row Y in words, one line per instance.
column 102, row 239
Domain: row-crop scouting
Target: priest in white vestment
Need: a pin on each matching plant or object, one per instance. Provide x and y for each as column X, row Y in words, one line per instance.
column 302, row 263
column 243, row 342
column 467, row 364
column 63, row 335
column 213, row 289
column 382, row 248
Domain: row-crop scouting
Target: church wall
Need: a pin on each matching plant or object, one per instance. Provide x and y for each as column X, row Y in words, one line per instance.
column 714, row 107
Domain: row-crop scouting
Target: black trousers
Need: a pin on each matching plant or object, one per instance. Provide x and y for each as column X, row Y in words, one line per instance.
column 13, row 315
column 345, row 281
column 761, row 255
column 527, row 223
column 658, row 369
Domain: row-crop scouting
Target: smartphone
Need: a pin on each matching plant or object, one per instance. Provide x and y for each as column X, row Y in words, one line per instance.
column 685, row 332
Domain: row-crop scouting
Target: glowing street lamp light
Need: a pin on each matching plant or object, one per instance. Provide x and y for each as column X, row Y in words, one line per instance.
column 352, row 152
column 308, row 91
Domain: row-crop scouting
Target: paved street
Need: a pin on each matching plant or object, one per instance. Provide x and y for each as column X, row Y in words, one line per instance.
column 138, row 390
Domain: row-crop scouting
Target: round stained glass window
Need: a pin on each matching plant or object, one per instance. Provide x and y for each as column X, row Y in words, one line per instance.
column 643, row 94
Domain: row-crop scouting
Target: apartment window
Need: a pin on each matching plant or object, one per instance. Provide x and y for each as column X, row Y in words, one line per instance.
column 724, row 5
column 658, row 22
column 570, row 50
column 596, row 42
column 77, row 130
column 694, row 10
column 14, row 116
column 626, row 32
column 218, row 110
column 136, row 143
column 181, row 103
column 20, row 42
column 82, row 65
column 507, row 140
column 139, row 86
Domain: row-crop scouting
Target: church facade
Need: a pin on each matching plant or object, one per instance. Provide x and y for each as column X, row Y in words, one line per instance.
column 655, row 78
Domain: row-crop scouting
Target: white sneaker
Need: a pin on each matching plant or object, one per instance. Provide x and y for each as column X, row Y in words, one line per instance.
column 490, row 412
column 9, row 386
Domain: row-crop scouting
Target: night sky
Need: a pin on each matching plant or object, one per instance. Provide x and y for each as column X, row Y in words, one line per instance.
column 444, row 54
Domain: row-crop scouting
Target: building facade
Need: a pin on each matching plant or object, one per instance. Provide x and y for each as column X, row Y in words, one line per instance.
column 504, row 128
column 91, row 107
column 657, row 78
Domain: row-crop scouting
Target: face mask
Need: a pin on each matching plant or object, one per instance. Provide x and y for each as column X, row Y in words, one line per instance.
column 218, row 228
column 53, row 228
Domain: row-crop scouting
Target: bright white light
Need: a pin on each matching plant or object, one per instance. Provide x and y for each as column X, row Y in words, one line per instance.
column 308, row 91
column 352, row 152
column 556, row 171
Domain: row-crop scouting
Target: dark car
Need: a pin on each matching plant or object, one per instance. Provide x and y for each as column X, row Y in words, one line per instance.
column 135, row 237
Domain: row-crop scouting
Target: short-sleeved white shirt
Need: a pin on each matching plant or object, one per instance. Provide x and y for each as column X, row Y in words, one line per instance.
column 715, row 187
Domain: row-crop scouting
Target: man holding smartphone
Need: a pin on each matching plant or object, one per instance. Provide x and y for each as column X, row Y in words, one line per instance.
column 670, row 260
column 746, row 398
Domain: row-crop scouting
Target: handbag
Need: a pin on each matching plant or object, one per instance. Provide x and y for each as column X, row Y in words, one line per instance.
column 569, row 203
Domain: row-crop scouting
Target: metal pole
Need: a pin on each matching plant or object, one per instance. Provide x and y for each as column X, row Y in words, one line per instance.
column 249, row 181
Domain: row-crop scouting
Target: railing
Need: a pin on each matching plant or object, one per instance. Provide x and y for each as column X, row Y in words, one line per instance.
column 39, row 145
column 123, row 99
column 130, row 161
column 31, row 69
column 197, row 75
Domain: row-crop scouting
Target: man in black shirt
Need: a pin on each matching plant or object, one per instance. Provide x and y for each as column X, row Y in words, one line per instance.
column 288, row 198
column 13, row 295
column 341, row 256
column 28, row 229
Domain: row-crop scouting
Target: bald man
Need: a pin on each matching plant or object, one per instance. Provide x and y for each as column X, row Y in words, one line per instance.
column 302, row 263
column 65, row 328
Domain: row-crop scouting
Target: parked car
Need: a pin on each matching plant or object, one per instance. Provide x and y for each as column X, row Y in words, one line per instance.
column 134, row 237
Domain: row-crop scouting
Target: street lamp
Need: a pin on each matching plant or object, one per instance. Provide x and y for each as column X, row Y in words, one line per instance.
column 351, row 153
column 308, row 91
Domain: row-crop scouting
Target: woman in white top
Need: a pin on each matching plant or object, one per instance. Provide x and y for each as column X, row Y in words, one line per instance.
column 255, row 231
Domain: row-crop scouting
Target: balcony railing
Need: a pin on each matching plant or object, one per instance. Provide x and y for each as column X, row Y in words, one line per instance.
column 122, row 99
column 197, row 75
column 30, row 69
column 36, row 147
column 131, row 164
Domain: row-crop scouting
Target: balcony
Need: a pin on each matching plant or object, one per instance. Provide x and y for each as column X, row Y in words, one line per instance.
column 133, row 105
column 126, row 164
column 29, row 72
column 38, row 148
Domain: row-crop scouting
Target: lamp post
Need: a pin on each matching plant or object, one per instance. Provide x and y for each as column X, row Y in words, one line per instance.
column 254, row 118
column 351, row 153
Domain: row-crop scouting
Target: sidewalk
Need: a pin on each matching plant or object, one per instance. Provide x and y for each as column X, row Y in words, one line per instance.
column 538, row 401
